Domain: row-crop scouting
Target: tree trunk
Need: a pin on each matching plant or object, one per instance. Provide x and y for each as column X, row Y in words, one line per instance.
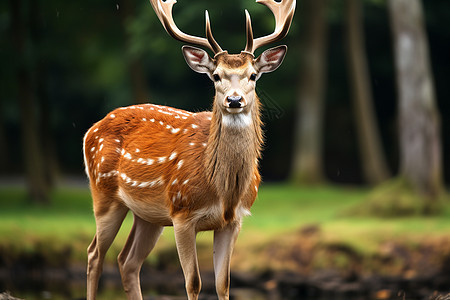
column 372, row 157
column 307, row 154
column 134, row 61
column 419, row 122
column 47, row 143
column 33, row 160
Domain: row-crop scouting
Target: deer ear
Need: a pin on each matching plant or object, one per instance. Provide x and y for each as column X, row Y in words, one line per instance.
column 270, row 59
column 198, row 59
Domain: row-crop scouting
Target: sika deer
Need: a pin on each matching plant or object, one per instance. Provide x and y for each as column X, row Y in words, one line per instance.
column 192, row 171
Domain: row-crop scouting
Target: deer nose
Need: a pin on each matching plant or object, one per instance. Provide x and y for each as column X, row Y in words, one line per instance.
column 234, row 101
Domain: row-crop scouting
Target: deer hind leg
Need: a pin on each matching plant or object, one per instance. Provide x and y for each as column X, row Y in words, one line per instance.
column 108, row 224
column 142, row 239
column 185, row 239
column 224, row 241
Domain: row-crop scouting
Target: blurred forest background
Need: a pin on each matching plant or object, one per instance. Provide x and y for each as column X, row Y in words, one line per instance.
column 356, row 125
column 332, row 113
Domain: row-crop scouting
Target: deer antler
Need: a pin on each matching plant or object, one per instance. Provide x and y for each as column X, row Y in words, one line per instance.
column 163, row 9
column 283, row 11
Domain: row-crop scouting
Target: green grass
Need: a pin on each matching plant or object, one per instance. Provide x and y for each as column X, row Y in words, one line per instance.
column 283, row 209
column 278, row 215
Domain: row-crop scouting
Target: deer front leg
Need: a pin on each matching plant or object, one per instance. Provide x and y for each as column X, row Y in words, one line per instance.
column 224, row 241
column 185, row 239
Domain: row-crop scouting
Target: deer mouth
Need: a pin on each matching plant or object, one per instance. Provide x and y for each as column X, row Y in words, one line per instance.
column 234, row 110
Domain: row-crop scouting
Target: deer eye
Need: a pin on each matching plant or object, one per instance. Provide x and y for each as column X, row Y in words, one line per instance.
column 216, row 77
column 253, row 77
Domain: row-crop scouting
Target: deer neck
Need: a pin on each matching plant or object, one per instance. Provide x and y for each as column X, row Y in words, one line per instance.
column 232, row 154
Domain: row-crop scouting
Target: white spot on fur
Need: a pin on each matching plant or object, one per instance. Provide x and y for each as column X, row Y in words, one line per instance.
column 178, row 111
column 175, row 130
column 165, row 112
column 185, row 182
column 180, row 163
column 172, row 156
column 95, row 130
column 137, row 150
column 144, row 184
column 109, row 174
column 175, row 181
column 194, row 126
column 161, row 159
column 112, row 116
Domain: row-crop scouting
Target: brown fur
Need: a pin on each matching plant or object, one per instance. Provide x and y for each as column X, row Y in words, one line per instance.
column 229, row 163
column 232, row 159
column 234, row 61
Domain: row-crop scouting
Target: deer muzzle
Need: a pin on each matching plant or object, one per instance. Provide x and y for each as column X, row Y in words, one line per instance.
column 234, row 101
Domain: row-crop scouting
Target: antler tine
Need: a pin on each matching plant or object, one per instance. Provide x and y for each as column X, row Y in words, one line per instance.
column 163, row 9
column 214, row 45
column 248, row 23
column 283, row 12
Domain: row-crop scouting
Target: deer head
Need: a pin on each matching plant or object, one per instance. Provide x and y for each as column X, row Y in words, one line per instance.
column 234, row 75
